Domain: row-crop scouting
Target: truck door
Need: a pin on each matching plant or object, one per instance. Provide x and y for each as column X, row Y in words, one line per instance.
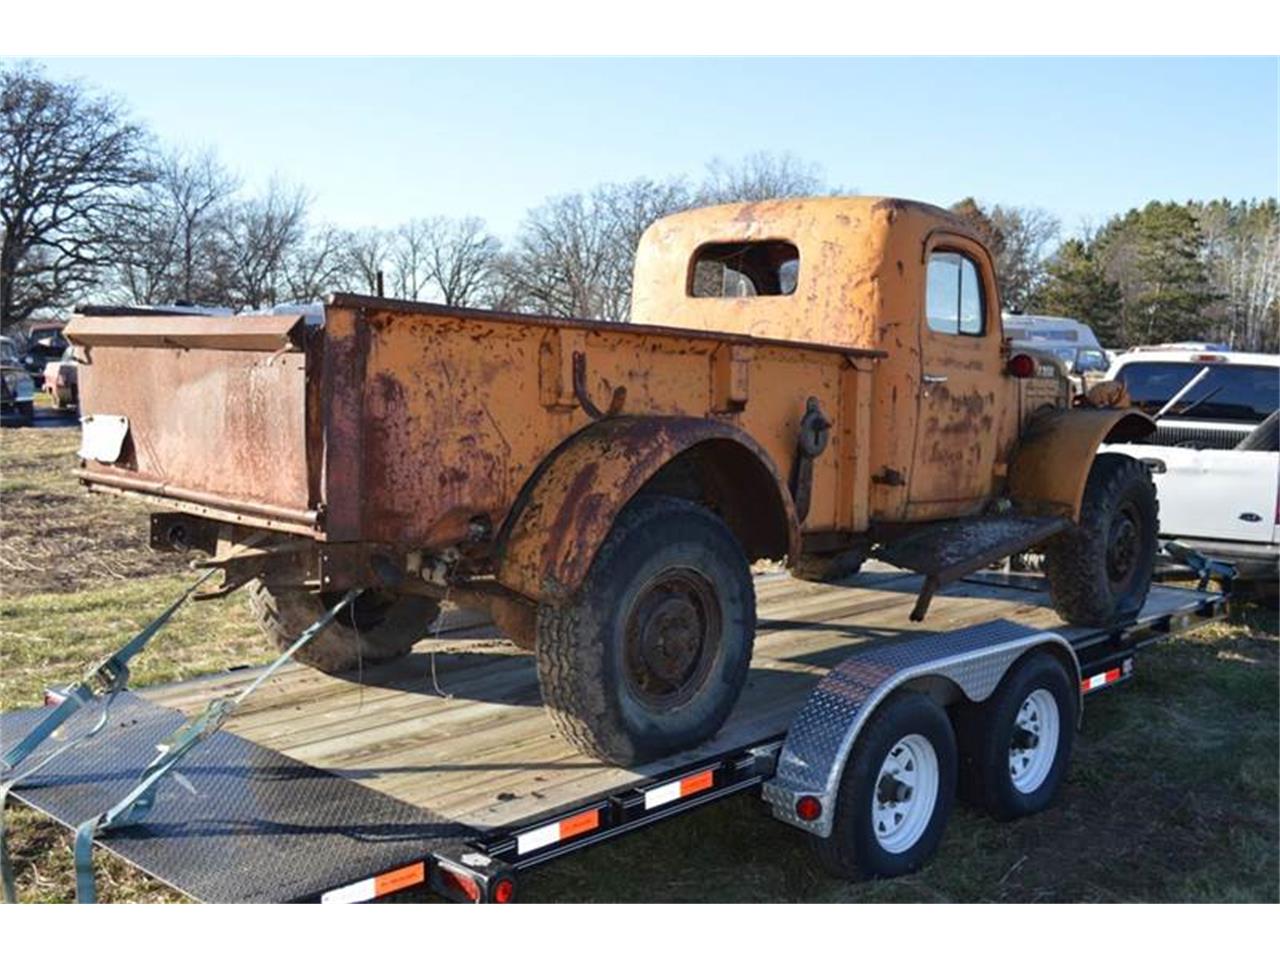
column 961, row 383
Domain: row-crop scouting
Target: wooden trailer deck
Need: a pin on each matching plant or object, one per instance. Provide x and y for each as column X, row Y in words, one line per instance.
column 476, row 747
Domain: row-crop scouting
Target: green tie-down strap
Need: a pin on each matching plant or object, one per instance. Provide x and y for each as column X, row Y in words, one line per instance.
column 135, row 805
column 111, row 675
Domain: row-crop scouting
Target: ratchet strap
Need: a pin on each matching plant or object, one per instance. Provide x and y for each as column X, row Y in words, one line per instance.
column 139, row 801
column 109, row 676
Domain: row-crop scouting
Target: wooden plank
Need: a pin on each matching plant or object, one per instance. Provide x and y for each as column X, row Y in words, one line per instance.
column 486, row 754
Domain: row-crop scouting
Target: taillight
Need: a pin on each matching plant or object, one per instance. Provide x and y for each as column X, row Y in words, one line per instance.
column 1022, row 366
column 808, row 808
column 504, row 891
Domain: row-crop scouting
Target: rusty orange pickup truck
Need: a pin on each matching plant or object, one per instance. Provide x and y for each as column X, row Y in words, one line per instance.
column 814, row 381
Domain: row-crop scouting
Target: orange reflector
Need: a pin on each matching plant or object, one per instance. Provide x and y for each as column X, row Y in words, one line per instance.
column 394, row 880
column 582, row 823
column 544, row 836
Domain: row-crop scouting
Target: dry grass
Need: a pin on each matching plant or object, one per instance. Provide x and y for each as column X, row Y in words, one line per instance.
column 54, row 538
column 1173, row 793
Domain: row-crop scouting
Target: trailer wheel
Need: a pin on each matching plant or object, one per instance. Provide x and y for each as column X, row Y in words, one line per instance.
column 650, row 655
column 1016, row 745
column 375, row 628
column 1101, row 568
column 896, row 792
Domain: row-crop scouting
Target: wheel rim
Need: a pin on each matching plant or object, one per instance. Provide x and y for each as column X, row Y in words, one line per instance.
column 673, row 636
column 906, row 793
column 1123, row 544
column 1033, row 744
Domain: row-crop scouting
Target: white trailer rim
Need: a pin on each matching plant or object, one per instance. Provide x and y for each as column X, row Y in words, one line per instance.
column 1038, row 722
column 906, row 793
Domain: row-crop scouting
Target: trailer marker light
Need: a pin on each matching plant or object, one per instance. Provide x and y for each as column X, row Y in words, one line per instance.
column 1100, row 680
column 379, row 886
column 808, row 808
column 504, row 891
column 684, row 787
column 459, row 882
column 532, row 840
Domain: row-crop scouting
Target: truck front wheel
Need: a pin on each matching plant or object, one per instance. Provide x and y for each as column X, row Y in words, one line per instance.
column 651, row 654
column 376, row 627
column 1100, row 569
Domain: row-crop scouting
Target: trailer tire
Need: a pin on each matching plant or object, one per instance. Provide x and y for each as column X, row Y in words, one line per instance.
column 1036, row 701
column 879, row 833
column 650, row 655
column 386, row 629
column 1100, row 569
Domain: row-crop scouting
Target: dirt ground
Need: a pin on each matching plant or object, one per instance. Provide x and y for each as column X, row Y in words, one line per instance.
column 1174, row 792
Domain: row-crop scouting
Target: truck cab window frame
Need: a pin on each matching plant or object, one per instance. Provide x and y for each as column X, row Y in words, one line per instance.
column 744, row 269
column 955, row 299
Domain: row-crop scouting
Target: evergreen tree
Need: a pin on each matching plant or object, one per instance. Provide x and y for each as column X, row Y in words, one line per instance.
column 1155, row 255
column 1077, row 287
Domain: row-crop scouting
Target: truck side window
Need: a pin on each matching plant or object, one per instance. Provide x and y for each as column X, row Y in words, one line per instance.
column 764, row 268
column 954, row 299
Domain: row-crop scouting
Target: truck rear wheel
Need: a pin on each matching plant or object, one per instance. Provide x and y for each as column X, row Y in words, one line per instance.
column 651, row 654
column 376, row 627
column 896, row 792
column 1100, row 569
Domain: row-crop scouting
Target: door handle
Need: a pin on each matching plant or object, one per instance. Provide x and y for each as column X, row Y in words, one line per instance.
column 931, row 379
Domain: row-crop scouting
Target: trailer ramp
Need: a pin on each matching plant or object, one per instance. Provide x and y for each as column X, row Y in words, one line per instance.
column 249, row 825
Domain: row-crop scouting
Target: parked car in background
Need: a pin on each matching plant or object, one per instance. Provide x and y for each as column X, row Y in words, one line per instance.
column 17, row 389
column 61, row 380
column 1068, row 340
column 1215, row 455
column 45, row 342
column 1203, row 399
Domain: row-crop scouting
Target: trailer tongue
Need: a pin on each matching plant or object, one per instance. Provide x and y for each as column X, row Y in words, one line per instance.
column 297, row 800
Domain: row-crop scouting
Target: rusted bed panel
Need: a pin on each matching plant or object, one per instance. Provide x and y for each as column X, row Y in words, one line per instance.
column 435, row 417
column 216, row 410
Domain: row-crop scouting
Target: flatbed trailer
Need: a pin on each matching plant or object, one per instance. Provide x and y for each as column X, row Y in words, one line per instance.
column 441, row 771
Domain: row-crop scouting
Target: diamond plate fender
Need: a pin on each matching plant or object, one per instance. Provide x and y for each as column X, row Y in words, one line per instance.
column 825, row 731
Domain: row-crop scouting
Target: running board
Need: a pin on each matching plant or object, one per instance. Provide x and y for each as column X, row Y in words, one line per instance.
column 951, row 549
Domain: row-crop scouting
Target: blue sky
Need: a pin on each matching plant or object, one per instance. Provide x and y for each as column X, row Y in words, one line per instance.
column 379, row 140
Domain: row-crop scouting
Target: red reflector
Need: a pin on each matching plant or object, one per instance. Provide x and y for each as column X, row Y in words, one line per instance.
column 504, row 891
column 808, row 808
column 461, row 883
column 1022, row 365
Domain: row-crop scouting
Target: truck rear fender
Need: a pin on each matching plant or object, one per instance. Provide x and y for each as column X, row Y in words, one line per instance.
column 565, row 511
column 1051, row 466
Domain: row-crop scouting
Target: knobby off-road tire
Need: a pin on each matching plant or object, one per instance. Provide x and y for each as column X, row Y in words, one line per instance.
column 1100, row 569
column 1015, row 746
column 896, row 792
column 374, row 629
column 651, row 654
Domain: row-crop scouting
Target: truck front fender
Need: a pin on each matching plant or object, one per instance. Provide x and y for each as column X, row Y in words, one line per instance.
column 566, row 509
column 1051, row 466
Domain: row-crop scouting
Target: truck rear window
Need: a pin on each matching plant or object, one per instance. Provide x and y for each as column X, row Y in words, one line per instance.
column 1231, row 392
column 764, row 268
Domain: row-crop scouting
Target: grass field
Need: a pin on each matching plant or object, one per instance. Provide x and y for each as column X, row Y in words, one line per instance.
column 1173, row 795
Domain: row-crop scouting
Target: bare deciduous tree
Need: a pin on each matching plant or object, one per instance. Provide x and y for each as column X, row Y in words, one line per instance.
column 256, row 238
column 69, row 166
column 446, row 258
column 760, row 176
column 167, row 250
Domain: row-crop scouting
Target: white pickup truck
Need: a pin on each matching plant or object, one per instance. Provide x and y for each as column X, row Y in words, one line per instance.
column 1214, row 456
